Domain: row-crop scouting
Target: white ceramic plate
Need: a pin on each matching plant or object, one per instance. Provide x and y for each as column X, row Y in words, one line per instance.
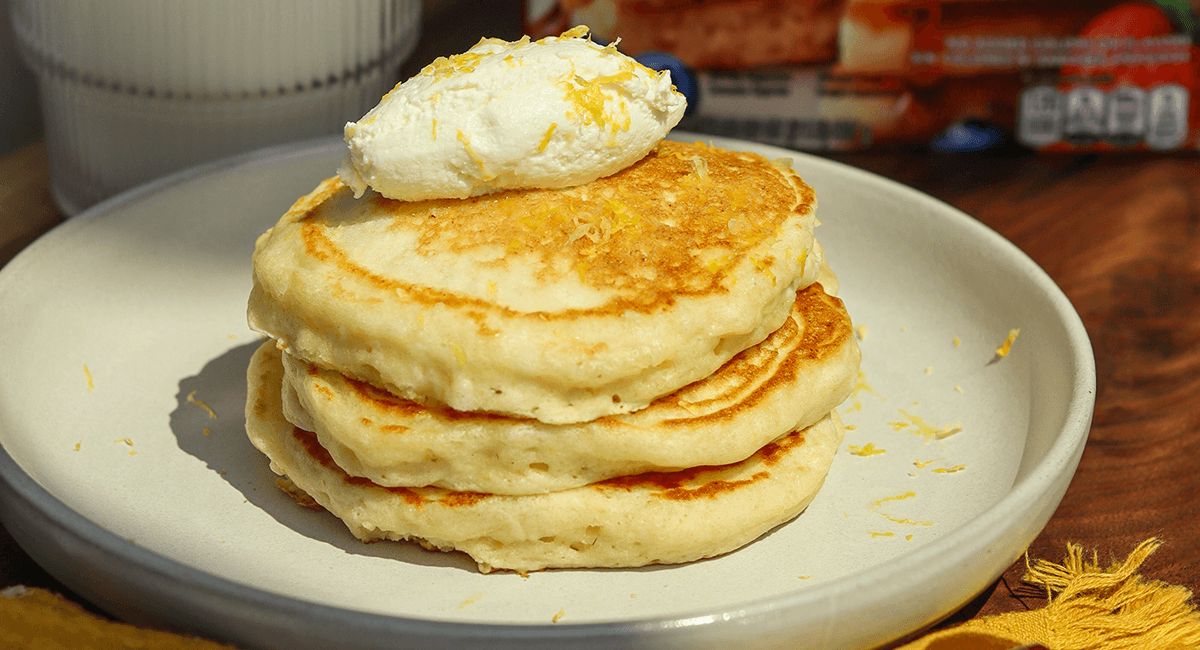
column 127, row 474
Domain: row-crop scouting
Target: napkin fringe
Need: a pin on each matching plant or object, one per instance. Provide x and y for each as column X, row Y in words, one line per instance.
column 1091, row 608
column 1088, row 608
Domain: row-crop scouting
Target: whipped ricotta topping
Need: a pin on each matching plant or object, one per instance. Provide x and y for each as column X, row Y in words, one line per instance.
column 557, row 112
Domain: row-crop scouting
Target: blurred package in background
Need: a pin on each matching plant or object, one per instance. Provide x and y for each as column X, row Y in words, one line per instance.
column 956, row 75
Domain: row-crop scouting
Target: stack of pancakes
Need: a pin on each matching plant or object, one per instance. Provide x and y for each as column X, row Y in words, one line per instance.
column 641, row 369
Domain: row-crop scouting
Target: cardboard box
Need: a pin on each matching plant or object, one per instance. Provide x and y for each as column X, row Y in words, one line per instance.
column 839, row 75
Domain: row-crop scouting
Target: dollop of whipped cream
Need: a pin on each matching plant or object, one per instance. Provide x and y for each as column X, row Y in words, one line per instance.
column 557, row 112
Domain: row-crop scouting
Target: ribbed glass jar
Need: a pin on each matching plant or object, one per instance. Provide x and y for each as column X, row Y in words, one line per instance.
column 134, row 89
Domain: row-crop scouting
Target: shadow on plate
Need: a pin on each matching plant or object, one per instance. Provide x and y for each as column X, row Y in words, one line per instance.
column 209, row 423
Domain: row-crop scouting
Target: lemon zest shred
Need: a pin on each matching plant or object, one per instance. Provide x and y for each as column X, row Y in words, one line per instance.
column 868, row 449
column 589, row 100
column 899, row 520
column 445, row 67
column 578, row 31
column 949, row 470
column 904, row 520
column 899, row 497
column 546, row 139
column 191, row 399
column 925, row 429
column 1006, row 347
column 466, row 143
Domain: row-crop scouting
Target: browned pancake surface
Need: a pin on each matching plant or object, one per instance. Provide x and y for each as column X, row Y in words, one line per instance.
column 793, row 378
column 670, row 225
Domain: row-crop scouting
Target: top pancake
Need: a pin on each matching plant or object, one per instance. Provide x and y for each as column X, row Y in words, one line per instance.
column 561, row 305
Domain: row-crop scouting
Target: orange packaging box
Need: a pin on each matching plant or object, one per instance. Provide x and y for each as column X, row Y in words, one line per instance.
column 960, row 75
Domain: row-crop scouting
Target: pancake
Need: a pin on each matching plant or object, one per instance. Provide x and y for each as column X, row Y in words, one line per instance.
column 651, row 518
column 792, row 379
column 559, row 305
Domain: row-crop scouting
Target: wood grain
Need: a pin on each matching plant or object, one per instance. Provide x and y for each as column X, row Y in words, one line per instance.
column 26, row 209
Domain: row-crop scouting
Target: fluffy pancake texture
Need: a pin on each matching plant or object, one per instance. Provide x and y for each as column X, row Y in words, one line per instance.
column 562, row 305
column 792, row 379
column 656, row 517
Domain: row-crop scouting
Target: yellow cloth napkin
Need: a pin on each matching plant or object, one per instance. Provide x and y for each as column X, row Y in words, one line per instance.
column 1089, row 608
column 36, row 619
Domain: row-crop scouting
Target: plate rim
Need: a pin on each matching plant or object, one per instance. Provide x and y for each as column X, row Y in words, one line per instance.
column 46, row 525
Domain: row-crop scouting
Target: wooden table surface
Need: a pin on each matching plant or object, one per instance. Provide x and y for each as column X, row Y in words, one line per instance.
column 1119, row 233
